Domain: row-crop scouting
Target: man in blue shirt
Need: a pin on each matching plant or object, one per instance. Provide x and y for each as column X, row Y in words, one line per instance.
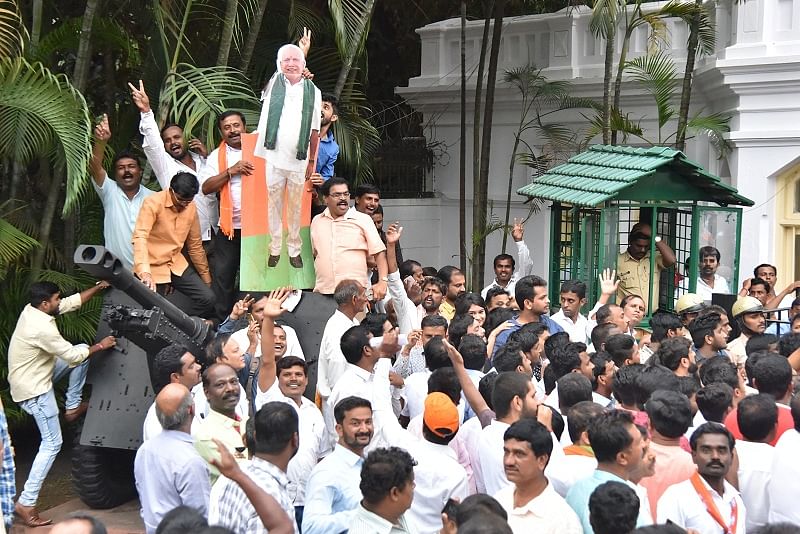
column 619, row 449
column 328, row 150
column 530, row 293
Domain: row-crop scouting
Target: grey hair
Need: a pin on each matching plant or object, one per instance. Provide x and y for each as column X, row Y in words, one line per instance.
column 176, row 420
column 345, row 291
column 283, row 49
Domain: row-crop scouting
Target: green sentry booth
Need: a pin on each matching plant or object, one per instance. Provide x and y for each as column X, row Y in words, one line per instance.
column 599, row 194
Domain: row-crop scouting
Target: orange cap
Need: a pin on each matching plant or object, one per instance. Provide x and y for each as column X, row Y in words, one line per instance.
column 441, row 415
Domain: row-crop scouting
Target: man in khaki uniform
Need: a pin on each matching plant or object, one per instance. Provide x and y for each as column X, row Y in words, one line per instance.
column 633, row 265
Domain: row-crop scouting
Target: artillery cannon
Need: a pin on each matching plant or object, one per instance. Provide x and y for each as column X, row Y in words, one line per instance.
column 144, row 322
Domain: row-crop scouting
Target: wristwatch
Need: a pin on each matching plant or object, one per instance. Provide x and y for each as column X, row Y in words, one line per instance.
column 384, row 279
column 658, row 239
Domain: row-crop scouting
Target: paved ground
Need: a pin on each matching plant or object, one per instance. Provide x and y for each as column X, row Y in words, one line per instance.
column 58, row 497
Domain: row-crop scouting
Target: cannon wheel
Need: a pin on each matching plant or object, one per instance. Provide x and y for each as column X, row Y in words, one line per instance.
column 103, row 477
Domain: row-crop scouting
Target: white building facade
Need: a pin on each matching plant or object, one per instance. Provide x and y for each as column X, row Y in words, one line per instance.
column 753, row 76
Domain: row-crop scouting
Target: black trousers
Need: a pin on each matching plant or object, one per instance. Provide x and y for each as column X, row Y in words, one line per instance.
column 225, row 266
column 190, row 294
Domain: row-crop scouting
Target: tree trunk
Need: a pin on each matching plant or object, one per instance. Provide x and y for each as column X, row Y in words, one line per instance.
column 36, row 26
column 252, row 35
column 686, row 90
column 476, row 118
column 80, row 77
column 479, row 214
column 609, row 62
column 83, row 60
column 347, row 65
column 511, row 166
column 462, row 156
column 623, row 54
column 48, row 213
column 232, row 6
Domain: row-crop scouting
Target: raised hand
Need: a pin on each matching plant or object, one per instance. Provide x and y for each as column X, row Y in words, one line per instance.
column 272, row 308
column 140, row 97
column 305, row 41
column 518, row 230
column 197, row 146
column 453, row 354
column 240, row 307
column 102, row 132
column 393, row 232
column 608, row 282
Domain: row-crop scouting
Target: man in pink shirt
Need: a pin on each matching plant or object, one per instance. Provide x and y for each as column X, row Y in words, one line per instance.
column 343, row 239
column 670, row 416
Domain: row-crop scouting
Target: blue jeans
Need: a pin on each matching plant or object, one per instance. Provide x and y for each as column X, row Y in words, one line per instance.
column 44, row 410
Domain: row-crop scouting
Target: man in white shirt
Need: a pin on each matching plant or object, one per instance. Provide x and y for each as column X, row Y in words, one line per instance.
column 350, row 298
column 531, row 502
column 167, row 154
column 506, row 275
column 578, row 461
column 514, row 397
column 709, row 282
column 223, row 174
column 288, row 139
column 786, row 473
column 757, row 416
column 284, row 338
column 415, row 388
column 569, row 317
column 388, row 482
column 285, row 380
column 706, row 502
column 173, row 364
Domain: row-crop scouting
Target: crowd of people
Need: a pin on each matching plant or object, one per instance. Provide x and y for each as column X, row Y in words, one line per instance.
column 435, row 409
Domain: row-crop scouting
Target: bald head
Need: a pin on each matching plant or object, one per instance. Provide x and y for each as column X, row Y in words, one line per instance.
column 174, row 407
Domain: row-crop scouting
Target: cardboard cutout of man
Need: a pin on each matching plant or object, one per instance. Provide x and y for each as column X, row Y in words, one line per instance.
column 288, row 138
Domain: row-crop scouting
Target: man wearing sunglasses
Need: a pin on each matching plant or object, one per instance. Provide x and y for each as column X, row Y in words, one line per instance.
column 167, row 222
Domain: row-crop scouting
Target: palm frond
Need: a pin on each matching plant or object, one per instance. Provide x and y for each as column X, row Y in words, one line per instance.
column 14, row 243
column 196, row 95
column 715, row 126
column 358, row 138
column 656, row 73
column 54, row 108
column 605, row 15
column 105, row 32
column 351, row 24
column 13, row 33
column 686, row 11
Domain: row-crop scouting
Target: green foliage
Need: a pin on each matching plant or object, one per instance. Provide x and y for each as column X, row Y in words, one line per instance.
column 105, row 33
column 657, row 74
column 13, row 33
column 38, row 108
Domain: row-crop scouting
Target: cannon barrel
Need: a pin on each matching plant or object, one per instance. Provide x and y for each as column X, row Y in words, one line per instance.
column 103, row 265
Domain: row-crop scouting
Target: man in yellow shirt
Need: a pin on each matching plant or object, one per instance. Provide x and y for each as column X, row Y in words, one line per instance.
column 456, row 284
column 37, row 357
column 633, row 265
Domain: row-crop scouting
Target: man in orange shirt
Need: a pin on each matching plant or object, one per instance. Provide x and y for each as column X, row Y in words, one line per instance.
column 167, row 221
column 342, row 239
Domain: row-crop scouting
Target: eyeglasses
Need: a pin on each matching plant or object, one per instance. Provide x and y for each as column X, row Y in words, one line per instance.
column 179, row 200
column 346, row 194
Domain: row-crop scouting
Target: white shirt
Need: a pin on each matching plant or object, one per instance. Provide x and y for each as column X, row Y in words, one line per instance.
column 233, row 156
column 705, row 290
column 165, row 167
column 284, row 156
column 407, row 317
column 293, row 347
column 313, row 440
column 548, row 513
column 470, row 433
column 490, row 457
column 755, row 472
column 332, row 363
column 365, row 522
column 785, row 474
column 524, row 268
column 576, row 330
column 438, row 477
column 565, row 470
column 415, row 391
column 681, row 504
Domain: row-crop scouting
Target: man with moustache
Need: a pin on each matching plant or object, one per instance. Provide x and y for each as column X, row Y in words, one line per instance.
column 167, row 224
column 221, row 386
column 342, row 239
column 748, row 312
column 709, row 282
column 433, row 291
column 223, row 174
column 122, row 197
column 288, row 138
column 328, row 151
column 167, row 154
column 332, row 491
column 706, row 502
